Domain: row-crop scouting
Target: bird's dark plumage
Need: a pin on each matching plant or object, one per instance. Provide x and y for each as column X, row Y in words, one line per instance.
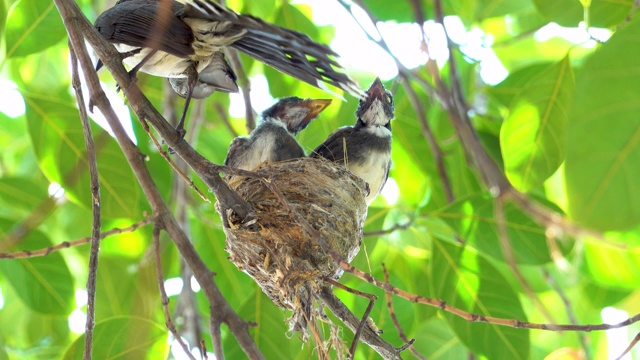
column 365, row 148
column 179, row 41
column 273, row 139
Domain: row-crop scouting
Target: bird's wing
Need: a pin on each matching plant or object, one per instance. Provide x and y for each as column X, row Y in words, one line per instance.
column 135, row 23
column 236, row 151
column 287, row 148
column 288, row 51
column 334, row 147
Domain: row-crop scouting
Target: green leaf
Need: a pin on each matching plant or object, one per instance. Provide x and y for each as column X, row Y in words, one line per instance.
column 56, row 134
column 601, row 13
column 269, row 334
column 436, row 340
column 506, row 91
column 32, row 26
column 124, row 338
column 533, row 135
column 399, row 11
column 465, row 280
column 492, row 8
column 603, row 146
column 44, row 284
column 473, row 220
column 22, row 193
column 612, row 267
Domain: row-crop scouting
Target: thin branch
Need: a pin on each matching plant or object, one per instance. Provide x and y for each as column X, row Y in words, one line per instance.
column 67, row 244
column 167, row 158
column 471, row 317
column 94, row 185
column 365, row 316
column 163, row 294
column 390, row 230
column 370, row 337
column 77, row 24
column 567, row 305
column 631, row 345
column 394, row 318
column 245, row 87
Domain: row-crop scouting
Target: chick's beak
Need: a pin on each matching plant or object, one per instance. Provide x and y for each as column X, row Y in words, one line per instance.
column 376, row 90
column 315, row 106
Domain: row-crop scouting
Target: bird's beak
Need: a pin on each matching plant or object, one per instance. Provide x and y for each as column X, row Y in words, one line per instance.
column 377, row 90
column 315, row 106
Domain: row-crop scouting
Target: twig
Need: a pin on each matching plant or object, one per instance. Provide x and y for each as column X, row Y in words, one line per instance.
column 245, row 87
column 394, row 318
column 163, row 293
column 567, row 305
column 384, row 349
column 471, row 317
column 394, row 228
column 67, row 244
column 365, row 316
column 631, row 345
column 171, row 163
column 94, row 185
column 77, row 24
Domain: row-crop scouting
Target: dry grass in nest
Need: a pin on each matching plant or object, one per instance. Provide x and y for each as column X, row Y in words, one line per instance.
column 280, row 252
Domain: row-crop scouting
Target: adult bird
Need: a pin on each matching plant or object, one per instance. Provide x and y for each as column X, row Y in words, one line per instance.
column 365, row 148
column 273, row 139
column 217, row 76
column 174, row 40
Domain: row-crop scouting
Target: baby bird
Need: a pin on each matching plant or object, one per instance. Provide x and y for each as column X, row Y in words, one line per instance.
column 365, row 148
column 273, row 138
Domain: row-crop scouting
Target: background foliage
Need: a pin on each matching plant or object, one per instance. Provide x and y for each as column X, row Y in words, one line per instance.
column 563, row 126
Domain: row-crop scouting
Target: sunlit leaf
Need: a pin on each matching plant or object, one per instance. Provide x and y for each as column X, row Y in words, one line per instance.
column 507, row 90
column 603, row 136
column 32, row 26
column 601, row 13
column 58, row 142
column 437, row 341
column 474, row 221
column 44, row 284
column 465, row 280
column 124, row 338
column 612, row 267
column 533, row 135
column 22, row 193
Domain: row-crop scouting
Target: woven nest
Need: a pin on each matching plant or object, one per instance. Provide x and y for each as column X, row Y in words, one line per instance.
column 309, row 208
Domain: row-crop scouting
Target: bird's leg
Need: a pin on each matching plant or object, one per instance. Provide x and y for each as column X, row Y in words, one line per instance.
column 133, row 73
column 192, row 79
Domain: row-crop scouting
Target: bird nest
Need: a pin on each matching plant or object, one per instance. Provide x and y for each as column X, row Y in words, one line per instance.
column 307, row 210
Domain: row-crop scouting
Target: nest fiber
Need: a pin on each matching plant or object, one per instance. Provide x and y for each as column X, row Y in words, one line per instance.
column 307, row 208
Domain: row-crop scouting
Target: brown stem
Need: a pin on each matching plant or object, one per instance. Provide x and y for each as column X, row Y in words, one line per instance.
column 94, row 185
column 77, row 27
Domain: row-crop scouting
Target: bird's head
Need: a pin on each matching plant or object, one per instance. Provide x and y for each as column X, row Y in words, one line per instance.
column 295, row 113
column 376, row 106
